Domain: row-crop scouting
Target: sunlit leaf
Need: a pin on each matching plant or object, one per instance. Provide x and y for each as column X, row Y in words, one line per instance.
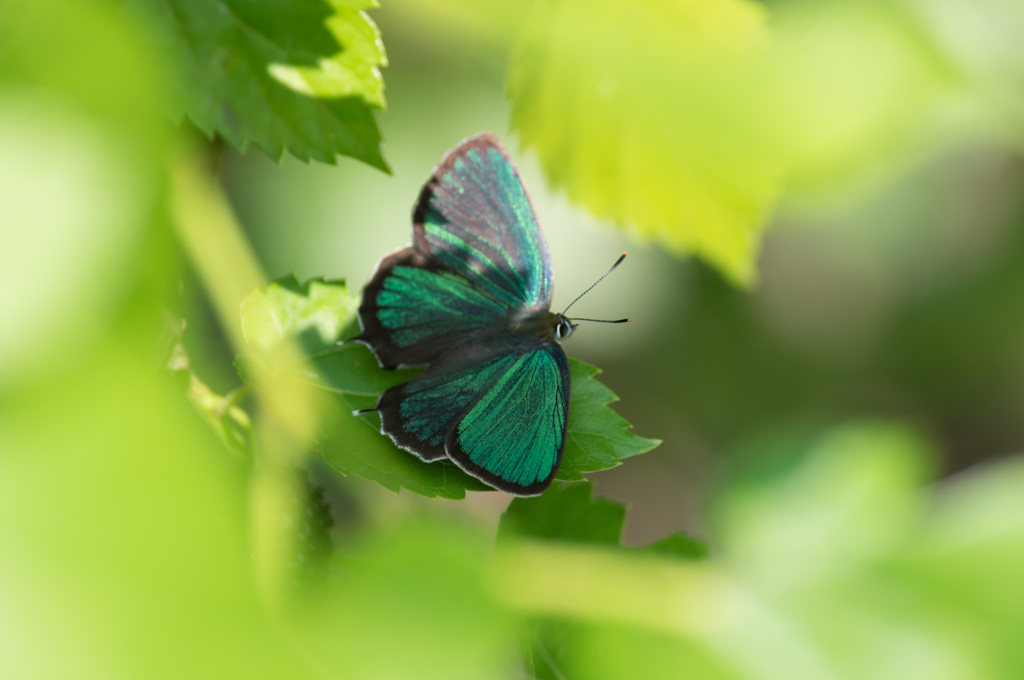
column 297, row 77
column 640, row 112
column 853, row 91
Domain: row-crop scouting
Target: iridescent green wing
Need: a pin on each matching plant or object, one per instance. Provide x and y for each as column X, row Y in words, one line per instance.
column 475, row 217
column 478, row 256
column 501, row 417
column 413, row 310
column 419, row 413
column 512, row 436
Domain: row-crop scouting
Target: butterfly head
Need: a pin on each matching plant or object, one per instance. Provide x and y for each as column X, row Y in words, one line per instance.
column 563, row 327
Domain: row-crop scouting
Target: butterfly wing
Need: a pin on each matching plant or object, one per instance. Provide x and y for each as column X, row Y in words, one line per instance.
column 501, row 417
column 475, row 217
column 413, row 309
column 478, row 255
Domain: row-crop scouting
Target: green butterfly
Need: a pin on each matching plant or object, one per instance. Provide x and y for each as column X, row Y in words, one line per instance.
column 470, row 299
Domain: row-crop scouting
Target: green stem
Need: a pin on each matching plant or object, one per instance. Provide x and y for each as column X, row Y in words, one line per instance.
column 227, row 266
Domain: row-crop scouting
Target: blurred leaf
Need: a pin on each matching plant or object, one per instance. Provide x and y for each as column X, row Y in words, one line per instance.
column 683, row 120
column 851, row 579
column 411, row 602
column 317, row 314
column 964, row 565
column 609, row 652
column 228, row 421
column 642, row 112
column 314, row 548
column 92, row 135
column 854, row 90
column 134, row 486
column 679, row 546
column 297, row 77
column 568, row 513
column 851, row 500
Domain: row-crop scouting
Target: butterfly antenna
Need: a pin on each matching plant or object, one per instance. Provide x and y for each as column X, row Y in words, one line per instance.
column 599, row 280
column 598, row 320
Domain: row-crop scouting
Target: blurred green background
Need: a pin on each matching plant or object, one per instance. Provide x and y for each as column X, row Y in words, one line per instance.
column 840, row 401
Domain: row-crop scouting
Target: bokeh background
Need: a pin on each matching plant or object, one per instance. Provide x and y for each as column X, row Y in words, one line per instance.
column 840, row 397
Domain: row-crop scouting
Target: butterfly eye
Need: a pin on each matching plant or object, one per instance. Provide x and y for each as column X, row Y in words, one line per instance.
column 564, row 329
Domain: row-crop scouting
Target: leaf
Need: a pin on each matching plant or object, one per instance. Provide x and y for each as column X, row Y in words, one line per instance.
column 316, row 314
column 568, row 513
column 642, row 113
column 598, row 437
column 297, row 77
column 847, row 503
column 564, row 512
column 679, row 546
column 412, row 601
column 311, row 564
column 228, row 421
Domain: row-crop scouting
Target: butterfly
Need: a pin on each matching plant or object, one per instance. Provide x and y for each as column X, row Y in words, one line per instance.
column 470, row 299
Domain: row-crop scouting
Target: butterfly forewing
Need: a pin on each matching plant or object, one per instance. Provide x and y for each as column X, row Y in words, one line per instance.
column 474, row 216
column 414, row 310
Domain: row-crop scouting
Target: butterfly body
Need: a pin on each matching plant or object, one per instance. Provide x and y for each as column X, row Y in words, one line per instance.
column 470, row 299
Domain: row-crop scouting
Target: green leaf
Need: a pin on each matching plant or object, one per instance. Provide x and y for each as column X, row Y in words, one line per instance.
column 317, row 314
column 228, row 421
column 598, row 437
column 565, row 512
column 568, row 512
column 642, row 113
column 297, row 77
column 679, row 546
column 314, row 549
column 411, row 601
column 848, row 502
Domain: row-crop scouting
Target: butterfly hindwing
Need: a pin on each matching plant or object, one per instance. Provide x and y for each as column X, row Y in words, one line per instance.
column 500, row 416
column 419, row 413
column 513, row 435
